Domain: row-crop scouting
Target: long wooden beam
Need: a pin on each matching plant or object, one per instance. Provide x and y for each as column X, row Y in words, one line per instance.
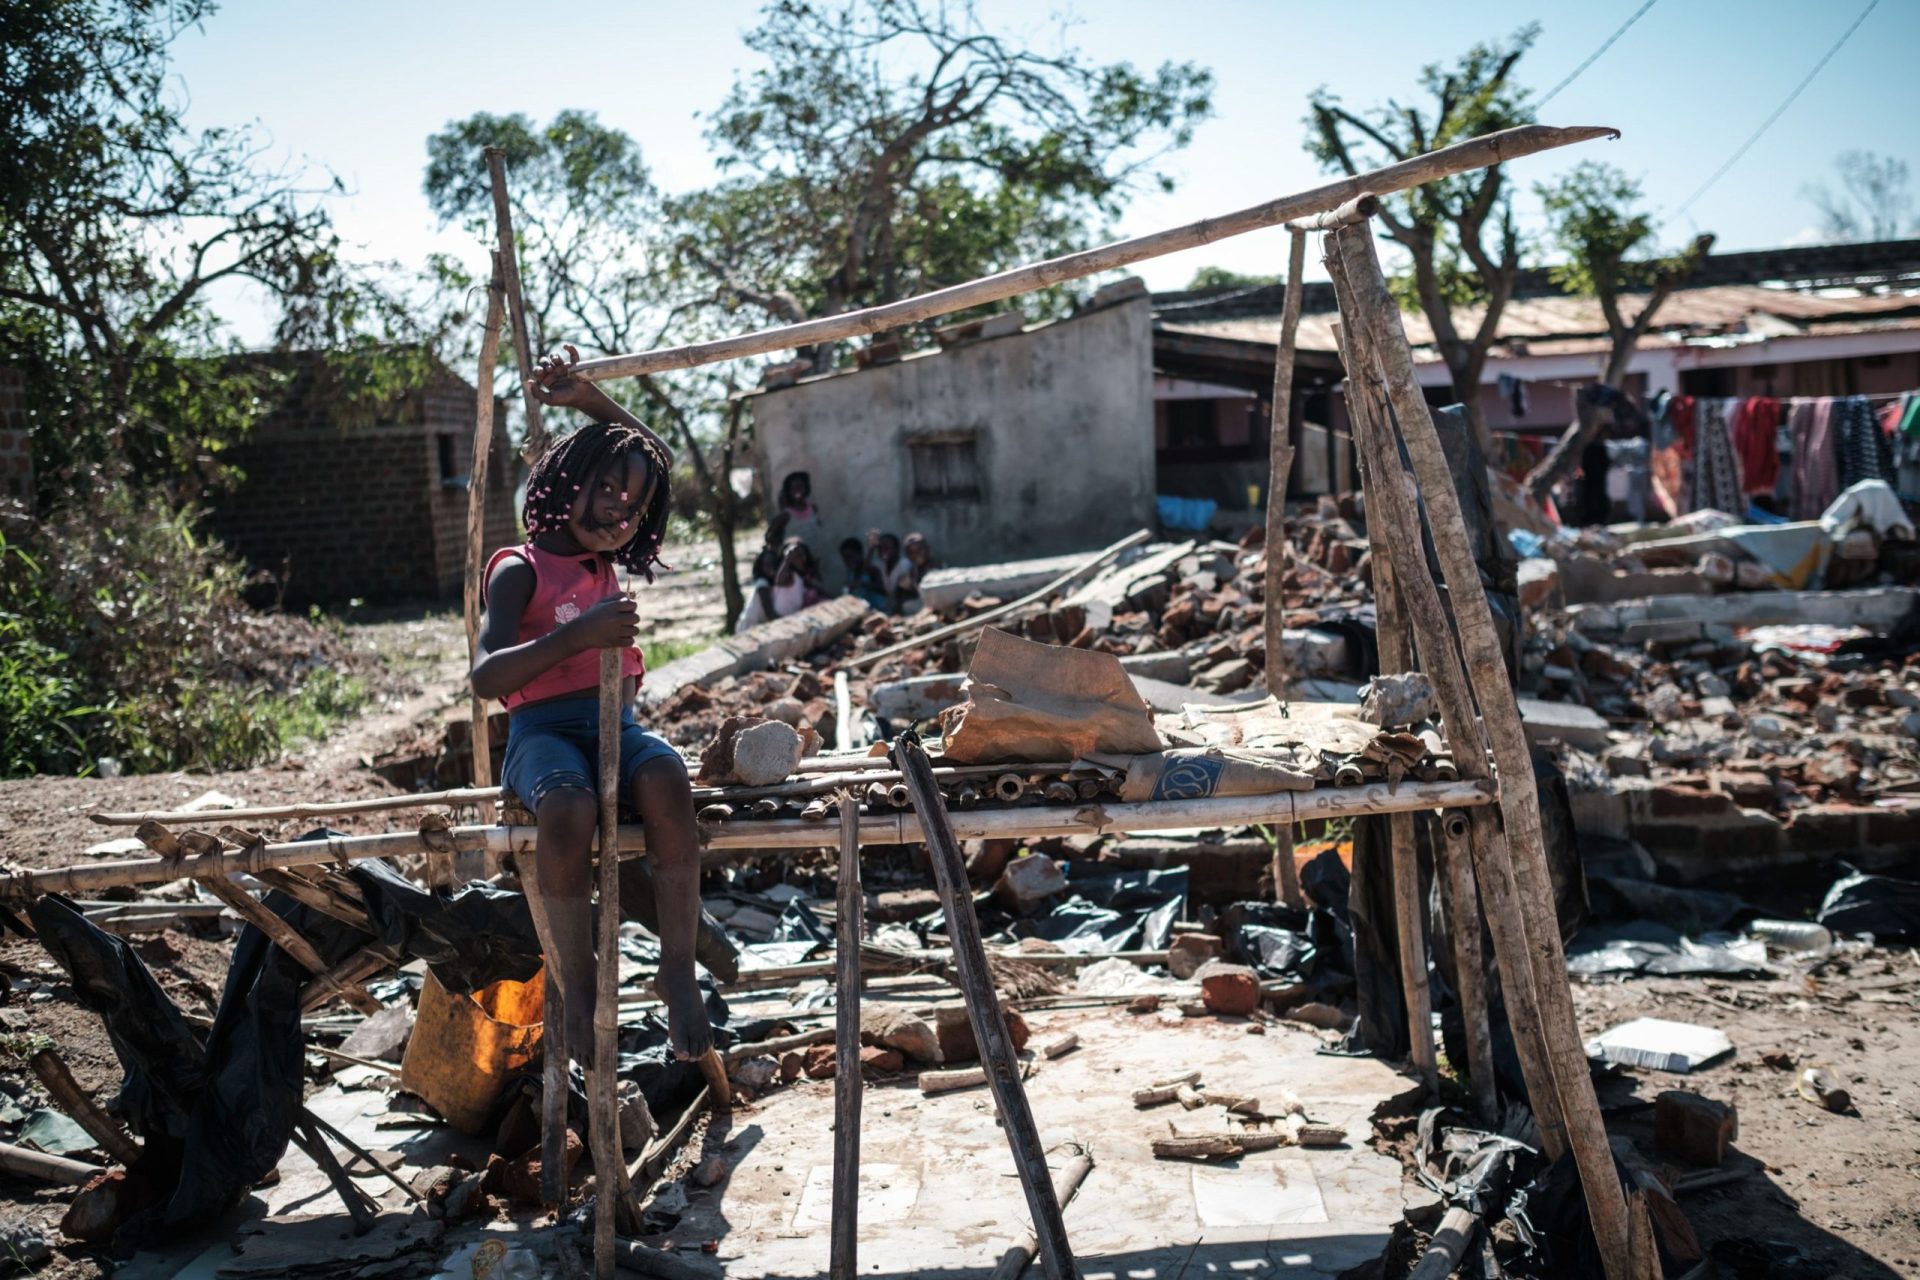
column 899, row 827
column 1475, row 153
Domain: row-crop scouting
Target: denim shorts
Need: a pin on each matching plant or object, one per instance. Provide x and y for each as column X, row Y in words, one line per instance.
column 556, row 744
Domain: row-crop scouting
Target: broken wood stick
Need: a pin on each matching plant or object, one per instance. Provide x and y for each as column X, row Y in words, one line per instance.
column 360, row 1205
column 105, row 1131
column 1409, row 909
column 953, row 1078
column 392, row 1068
column 1208, row 1146
column 977, row 622
column 24, row 1163
column 1062, row 1047
column 983, row 1009
column 480, row 733
column 895, row 827
column 780, row 1044
column 1461, row 902
column 1164, row 1091
column 1358, row 209
column 288, row 939
column 425, row 800
column 1279, row 477
column 356, row 968
column 602, row 1105
column 361, row 1153
column 322, row 900
column 843, row 1242
column 1474, row 153
column 507, row 256
column 1066, row 1185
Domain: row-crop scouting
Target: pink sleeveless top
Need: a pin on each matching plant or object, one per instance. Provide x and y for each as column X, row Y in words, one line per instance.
column 564, row 587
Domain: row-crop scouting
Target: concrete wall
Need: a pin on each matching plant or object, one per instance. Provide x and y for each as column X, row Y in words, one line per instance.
column 1061, row 421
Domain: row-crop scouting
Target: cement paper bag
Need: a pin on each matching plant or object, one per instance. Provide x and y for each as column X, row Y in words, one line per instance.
column 1197, row 773
column 1034, row 702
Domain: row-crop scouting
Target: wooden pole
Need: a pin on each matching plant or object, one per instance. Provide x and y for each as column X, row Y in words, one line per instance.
column 983, row 1010
column 425, row 800
column 105, row 1131
column 979, row 621
column 1396, row 645
column 1475, row 153
column 481, row 734
column 1413, row 948
column 23, row 1163
column 284, row 936
column 1500, row 716
column 1279, row 475
column 509, row 262
column 602, row 1105
column 1359, row 209
column 844, row 1254
column 1018, row 1257
column 892, row 828
column 553, row 1092
column 1470, row 979
column 1392, row 502
column 896, row 827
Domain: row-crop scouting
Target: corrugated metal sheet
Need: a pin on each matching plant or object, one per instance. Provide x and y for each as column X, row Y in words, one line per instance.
column 1566, row 325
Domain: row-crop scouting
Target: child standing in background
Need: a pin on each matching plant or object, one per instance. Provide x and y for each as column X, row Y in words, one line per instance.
column 595, row 500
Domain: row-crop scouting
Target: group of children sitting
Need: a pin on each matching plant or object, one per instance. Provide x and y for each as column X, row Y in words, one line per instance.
column 884, row 570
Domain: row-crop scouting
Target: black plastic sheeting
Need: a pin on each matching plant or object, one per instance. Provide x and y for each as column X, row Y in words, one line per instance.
column 1649, row 947
column 1501, row 1178
column 217, row 1113
column 1887, row 908
column 1099, row 913
column 1312, row 946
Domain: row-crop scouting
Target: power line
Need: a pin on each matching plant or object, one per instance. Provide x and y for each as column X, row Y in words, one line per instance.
column 1778, row 111
column 1595, row 55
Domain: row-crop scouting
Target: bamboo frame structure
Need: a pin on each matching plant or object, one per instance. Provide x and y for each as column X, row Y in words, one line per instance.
column 1497, row 825
column 1475, row 153
column 480, row 733
column 898, row 827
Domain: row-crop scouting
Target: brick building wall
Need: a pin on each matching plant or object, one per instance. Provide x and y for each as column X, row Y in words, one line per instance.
column 16, row 447
column 374, row 511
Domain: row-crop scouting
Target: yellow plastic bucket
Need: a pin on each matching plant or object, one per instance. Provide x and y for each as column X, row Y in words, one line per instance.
column 464, row 1048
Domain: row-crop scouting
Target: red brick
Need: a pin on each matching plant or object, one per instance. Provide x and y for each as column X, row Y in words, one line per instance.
column 1685, row 802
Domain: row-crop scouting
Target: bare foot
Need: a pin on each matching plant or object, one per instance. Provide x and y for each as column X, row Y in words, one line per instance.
column 688, row 1030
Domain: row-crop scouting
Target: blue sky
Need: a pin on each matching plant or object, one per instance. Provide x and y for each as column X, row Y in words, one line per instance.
column 356, row 87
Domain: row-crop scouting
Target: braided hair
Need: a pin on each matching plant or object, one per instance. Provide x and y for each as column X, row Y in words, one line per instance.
column 576, row 460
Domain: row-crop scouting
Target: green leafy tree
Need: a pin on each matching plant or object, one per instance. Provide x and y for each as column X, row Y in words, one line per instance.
column 1459, row 232
column 115, row 222
column 1604, row 238
column 890, row 147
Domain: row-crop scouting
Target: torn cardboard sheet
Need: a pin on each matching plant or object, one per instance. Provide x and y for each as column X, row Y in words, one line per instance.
column 1197, row 773
column 1028, row 701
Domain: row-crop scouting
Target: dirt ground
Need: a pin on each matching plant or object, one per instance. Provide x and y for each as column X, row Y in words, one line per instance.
column 1824, row 1194
column 1843, row 1190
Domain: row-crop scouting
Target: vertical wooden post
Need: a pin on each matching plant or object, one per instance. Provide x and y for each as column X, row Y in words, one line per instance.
column 1280, row 471
column 1470, row 979
column 844, row 1258
column 477, row 468
column 602, row 1105
column 1580, row 1111
column 1413, row 947
column 983, row 1009
column 553, row 1084
column 1391, row 501
column 536, row 442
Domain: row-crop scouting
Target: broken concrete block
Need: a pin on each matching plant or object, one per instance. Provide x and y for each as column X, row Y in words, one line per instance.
column 789, row 711
column 1229, row 989
column 1170, row 665
column 1190, row 951
column 1539, row 580
column 766, row 753
column 1226, row 677
column 1406, row 698
column 1566, row 722
column 755, row 1074
column 1698, row 1130
column 819, row 1059
column 1029, row 881
column 382, row 1037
